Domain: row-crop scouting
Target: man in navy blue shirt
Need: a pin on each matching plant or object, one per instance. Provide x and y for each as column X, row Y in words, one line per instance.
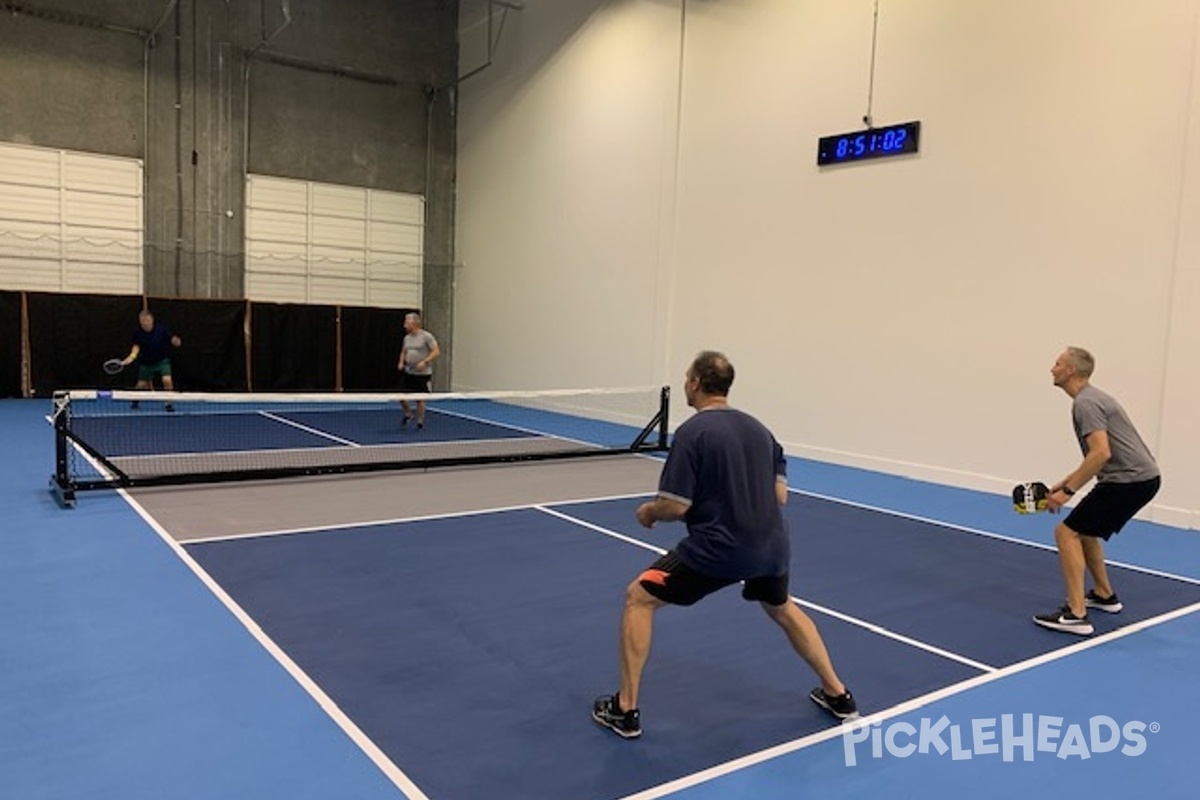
column 726, row 478
column 152, row 344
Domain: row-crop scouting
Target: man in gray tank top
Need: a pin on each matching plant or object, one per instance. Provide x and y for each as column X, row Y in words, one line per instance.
column 1127, row 478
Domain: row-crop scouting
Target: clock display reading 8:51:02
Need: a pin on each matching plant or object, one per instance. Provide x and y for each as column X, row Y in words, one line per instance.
column 892, row 140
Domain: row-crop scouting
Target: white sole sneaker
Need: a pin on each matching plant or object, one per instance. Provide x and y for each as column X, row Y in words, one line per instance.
column 1111, row 608
column 1058, row 622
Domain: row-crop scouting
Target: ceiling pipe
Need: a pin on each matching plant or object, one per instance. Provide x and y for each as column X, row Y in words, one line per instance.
column 286, row 7
column 493, row 38
column 67, row 18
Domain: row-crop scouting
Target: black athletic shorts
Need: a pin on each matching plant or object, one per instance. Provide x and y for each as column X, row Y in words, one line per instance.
column 414, row 384
column 672, row 581
column 1109, row 506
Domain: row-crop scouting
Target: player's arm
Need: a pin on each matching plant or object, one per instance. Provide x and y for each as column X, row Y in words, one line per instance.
column 661, row 509
column 1098, row 454
column 400, row 363
column 133, row 354
column 781, row 489
column 434, row 352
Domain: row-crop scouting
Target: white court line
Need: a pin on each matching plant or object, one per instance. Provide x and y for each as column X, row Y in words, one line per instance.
column 339, row 717
column 398, row 777
column 396, row 520
column 275, row 451
column 870, row 626
column 752, row 759
column 518, row 428
column 999, row 536
column 307, row 429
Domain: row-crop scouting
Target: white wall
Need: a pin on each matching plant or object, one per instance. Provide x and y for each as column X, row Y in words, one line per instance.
column 624, row 203
column 565, row 182
column 1179, row 431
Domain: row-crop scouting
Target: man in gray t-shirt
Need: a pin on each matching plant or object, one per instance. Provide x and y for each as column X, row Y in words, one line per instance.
column 417, row 353
column 1127, row 478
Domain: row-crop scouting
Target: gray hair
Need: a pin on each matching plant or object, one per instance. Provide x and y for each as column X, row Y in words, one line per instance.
column 414, row 316
column 1081, row 360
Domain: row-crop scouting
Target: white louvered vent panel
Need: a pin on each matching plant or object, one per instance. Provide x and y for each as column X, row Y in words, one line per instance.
column 338, row 291
column 30, row 274
column 102, row 175
column 277, row 288
column 394, row 294
column 102, row 210
column 394, row 269
column 330, row 244
column 389, row 237
column 339, row 201
column 271, row 225
column 339, row 231
column 70, row 221
column 31, row 166
column 279, row 194
column 100, row 278
column 394, row 207
column 21, row 203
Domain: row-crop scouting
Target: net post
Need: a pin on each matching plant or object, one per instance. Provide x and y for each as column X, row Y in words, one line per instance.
column 658, row 422
column 61, row 484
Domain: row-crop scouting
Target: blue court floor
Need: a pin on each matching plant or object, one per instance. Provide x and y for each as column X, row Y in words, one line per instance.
column 457, row 657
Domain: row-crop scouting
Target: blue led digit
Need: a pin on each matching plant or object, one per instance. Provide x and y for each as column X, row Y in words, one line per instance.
column 901, row 135
column 842, row 146
column 889, row 141
column 859, row 145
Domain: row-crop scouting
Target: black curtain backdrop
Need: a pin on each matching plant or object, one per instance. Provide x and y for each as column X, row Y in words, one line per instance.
column 212, row 352
column 371, row 339
column 71, row 336
column 10, row 344
column 293, row 348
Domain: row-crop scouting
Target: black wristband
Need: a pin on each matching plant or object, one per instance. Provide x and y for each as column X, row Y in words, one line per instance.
column 1067, row 490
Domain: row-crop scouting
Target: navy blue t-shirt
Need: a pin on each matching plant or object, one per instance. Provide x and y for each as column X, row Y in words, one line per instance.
column 724, row 465
column 154, row 345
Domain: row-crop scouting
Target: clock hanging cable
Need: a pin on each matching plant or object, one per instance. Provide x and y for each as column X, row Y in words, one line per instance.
column 867, row 119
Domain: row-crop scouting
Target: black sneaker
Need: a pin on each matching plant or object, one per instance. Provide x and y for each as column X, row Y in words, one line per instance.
column 404, row 422
column 170, row 407
column 1063, row 620
column 626, row 724
column 420, row 425
column 841, row 706
column 1111, row 604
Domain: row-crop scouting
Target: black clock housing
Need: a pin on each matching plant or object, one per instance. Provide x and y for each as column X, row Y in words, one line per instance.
column 891, row 140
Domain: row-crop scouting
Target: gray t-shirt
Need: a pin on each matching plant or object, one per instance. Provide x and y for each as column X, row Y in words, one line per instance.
column 1094, row 410
column 417, row 347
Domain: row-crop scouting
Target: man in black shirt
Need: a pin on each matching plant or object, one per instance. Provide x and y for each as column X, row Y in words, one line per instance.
column 152, row 345
column 726, row 479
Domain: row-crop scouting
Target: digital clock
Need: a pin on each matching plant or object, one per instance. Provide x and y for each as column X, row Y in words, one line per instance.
column 893, row 140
